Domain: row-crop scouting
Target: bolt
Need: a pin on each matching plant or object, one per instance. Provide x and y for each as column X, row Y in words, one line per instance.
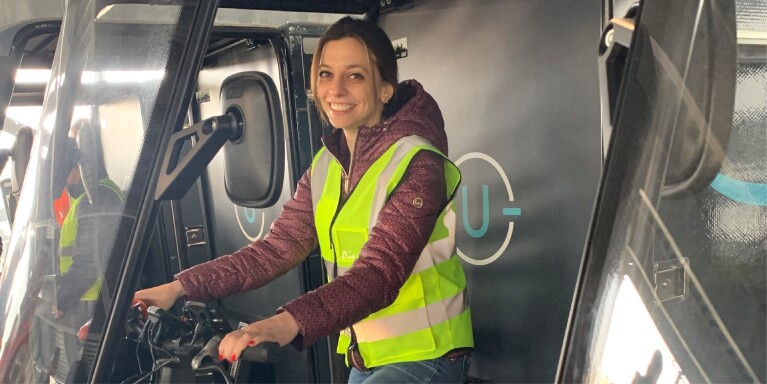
column 609, row 37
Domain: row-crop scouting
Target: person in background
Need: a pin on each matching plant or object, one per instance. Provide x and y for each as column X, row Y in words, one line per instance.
column 377, row 201
column 93, row 213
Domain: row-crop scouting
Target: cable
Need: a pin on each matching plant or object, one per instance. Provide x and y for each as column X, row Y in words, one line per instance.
column 139, row 343
column 143, row 375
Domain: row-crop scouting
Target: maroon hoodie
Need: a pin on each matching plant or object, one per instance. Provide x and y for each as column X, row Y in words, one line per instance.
column 393, row 246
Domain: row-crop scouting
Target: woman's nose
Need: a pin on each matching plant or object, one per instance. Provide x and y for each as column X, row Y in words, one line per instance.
column 337, row 87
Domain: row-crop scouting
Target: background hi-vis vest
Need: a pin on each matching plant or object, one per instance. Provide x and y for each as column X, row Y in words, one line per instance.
column 430, row 316
column 69, row 235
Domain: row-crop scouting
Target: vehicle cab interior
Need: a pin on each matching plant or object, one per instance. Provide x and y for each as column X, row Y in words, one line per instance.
column 611, row 218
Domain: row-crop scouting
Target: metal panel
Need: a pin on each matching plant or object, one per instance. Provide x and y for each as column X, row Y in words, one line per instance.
column 517, row 84
column 233, row 226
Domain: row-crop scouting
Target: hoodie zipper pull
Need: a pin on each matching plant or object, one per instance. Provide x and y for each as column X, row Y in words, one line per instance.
column 347, row 176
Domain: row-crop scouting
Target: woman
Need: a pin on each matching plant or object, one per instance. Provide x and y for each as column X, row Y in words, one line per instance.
column 374, row 201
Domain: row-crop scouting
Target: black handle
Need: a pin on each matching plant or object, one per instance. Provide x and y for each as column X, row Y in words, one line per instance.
column 267, row 352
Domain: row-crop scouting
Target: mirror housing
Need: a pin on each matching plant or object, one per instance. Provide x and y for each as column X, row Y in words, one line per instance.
column 254, row 164
column 20, row 153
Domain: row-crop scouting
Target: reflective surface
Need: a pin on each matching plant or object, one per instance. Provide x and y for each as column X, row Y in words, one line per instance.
column 674, row 289
column 105, row 80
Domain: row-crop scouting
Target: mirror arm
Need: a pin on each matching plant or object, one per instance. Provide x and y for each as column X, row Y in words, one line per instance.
column 181, row 170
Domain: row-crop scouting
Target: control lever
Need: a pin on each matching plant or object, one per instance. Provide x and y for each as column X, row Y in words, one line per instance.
column 267, row 352
column 208, row 353
column 207, row 361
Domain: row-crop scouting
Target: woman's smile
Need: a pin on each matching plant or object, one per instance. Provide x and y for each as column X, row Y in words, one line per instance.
column 338, row 107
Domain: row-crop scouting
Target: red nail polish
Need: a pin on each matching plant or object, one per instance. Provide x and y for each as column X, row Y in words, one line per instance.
column 220, row 357
column 234, row 357
column 252, row 342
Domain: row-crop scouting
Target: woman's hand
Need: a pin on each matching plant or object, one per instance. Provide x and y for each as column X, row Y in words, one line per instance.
column 281, row 328
column 162, row 296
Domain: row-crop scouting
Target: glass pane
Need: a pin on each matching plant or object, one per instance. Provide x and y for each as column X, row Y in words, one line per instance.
column 681, row 295
column 106, row 76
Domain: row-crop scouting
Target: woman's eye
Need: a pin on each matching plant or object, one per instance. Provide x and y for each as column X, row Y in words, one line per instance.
column 356, row 76
column 325, row 74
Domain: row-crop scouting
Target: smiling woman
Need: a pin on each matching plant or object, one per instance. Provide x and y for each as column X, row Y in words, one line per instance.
column 376, row 202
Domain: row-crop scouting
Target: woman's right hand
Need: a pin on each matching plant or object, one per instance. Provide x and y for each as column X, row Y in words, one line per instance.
column 161, row 296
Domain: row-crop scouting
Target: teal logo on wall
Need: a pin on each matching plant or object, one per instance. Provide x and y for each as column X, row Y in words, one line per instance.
column 478, row 217
column 249, row 219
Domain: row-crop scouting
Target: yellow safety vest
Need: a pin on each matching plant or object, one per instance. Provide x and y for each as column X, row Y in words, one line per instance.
column 430, row 316
column 69, row 235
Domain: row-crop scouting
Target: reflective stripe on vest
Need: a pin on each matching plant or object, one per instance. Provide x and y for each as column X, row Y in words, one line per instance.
column 430, row 316
column 68, row 237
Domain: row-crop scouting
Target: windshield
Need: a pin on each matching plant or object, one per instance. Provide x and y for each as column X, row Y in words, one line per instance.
column 85, row 161
column 675, row 283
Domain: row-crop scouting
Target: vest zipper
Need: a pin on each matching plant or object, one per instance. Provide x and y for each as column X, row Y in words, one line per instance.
column 332, row 247
column 330, row 234
column 346, row 177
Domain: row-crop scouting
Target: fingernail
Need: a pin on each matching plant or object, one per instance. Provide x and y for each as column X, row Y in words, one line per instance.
column 234, row 357
column 220, row 357
column 252, row 342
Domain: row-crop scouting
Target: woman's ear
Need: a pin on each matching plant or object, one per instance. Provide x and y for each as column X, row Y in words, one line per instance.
column 387, row 92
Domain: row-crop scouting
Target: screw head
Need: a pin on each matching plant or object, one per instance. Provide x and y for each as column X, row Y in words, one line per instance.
column 609, row 36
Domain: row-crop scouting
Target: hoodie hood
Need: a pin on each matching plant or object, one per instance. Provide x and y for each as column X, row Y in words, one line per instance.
column 411, row 111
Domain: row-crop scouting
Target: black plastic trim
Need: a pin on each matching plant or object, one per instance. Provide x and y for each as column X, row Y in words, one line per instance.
column 132, row 237
column 326, row 6
column 7, row 83
column 605, row 209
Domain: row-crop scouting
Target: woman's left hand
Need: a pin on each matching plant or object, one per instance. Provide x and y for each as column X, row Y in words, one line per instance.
column 281, row 328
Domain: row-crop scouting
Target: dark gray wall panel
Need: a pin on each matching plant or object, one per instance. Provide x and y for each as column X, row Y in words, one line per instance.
column 516, row 82
column 233, row 226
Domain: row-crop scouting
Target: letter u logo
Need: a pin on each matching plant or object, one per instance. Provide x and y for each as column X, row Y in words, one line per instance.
column 250, row 215
column 476, row 233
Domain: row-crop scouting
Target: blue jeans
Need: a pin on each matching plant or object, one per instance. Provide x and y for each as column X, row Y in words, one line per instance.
column 440, row 370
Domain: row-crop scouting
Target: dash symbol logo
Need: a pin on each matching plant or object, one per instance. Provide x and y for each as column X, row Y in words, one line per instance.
column 482, row 230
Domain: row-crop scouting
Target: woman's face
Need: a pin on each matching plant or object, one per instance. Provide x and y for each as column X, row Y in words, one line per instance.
column 351, row 91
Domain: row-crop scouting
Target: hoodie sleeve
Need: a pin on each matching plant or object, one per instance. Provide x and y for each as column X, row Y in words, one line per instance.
column 291, row 238
column 386, row 260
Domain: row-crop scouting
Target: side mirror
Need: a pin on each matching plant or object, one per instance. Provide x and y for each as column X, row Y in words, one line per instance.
column 254, row 167
column 250, row 130
column 704, row 121
column 5, row 186
column 20, row 153
column 706, row 92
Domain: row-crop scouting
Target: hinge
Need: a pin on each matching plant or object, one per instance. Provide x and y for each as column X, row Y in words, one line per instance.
column 671, row 280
